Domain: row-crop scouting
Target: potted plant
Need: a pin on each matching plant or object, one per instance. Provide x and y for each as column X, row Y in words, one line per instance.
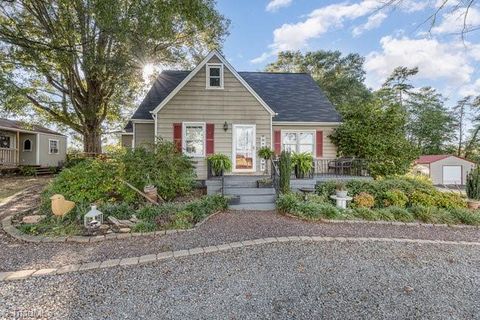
column 472, row 188
column 341, row 189
column 265, row 183
column 303, row 164
column 219, row 163
column 265, row 153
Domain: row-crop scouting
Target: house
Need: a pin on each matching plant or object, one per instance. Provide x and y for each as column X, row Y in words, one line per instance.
column 444, row 168
column 30, row 145
column 215, row 109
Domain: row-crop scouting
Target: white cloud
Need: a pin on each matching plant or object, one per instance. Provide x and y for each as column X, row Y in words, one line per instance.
column 472, row 89
column 413, row 5
column 274, row 5
column 295, row 36
column 374, row 21
column 448, row 61
column 453, row 22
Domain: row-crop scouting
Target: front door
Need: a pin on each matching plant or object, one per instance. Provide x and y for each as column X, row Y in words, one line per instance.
column 243, row 148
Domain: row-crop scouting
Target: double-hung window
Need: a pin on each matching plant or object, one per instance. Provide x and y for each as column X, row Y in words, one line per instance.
column 53, row 146
column 293, row 141
column 194, row 139
column 214, row 76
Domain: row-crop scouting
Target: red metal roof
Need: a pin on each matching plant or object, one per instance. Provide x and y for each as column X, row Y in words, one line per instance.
column 436, row 157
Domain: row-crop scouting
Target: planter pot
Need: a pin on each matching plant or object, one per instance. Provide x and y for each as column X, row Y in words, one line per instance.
column 263, row 184
column 341, row 194
column 151, row 192
column 299, row 174
column 234, row 200
column 473, row 204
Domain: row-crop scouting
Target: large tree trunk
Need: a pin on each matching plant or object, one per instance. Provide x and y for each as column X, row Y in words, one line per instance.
column 92, row 141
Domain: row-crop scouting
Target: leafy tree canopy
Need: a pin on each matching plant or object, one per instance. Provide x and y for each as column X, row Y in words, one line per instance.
column 375, row 131
column 79, row 62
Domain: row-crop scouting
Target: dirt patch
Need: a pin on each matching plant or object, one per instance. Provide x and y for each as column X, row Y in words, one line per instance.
column 11, row 185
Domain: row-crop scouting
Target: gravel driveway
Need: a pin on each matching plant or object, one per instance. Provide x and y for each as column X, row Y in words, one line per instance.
column 330, row 280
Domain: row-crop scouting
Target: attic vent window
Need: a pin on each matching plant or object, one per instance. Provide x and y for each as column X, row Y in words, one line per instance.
column 214, row 76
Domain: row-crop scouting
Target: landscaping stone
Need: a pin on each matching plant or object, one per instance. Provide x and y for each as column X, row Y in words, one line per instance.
column 33, row 219
column 120, row 223
column 124, row 230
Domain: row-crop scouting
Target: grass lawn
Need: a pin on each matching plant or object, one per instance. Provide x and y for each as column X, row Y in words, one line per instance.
column 11, row 185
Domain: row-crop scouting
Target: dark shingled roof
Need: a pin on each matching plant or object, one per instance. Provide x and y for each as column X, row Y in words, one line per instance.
column 128, row 127
column 294, row 96
column 20, row 125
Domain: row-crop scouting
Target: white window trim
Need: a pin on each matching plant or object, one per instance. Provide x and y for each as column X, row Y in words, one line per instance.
column 184, row 132
column 207, row 69
column 58, row 146
column 314, row 154
column 234, row 147
column 23, row 146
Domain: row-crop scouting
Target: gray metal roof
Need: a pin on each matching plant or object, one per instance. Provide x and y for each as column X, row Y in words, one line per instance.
column 295, row 97
column 23, row 126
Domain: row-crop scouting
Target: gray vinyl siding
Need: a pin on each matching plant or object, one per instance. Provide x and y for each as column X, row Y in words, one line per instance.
column 28, row 157
column 329, row 149
column 436, row 168
column 51, row 160
column 144, row 133
column 233, row 104
column 126, row 140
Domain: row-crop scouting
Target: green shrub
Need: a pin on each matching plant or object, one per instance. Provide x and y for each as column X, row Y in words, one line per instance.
column 364, row 200
column 450, row 200
column 423, row 199
column 88, row 182
column 151, row 212
column 118, row 210
column 473, row 184
column 465, row 216
column 206, row 206
column 400, row 214
column 424, row 213
column 285, row 168
column 27, row 171
column 160, row 165
column 287, row 203
column 182, row 220
column 315, row 198
column 365, row 214
column 395, row 198
column 385, row 214
column 144, row 226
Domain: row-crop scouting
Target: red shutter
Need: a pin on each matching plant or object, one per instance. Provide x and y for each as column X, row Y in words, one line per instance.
column 277, row 142
column 177, row 135
column 319, row 145
column 210, row 138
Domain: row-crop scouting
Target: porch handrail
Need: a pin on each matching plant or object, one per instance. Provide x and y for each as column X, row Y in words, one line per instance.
column 9, row 156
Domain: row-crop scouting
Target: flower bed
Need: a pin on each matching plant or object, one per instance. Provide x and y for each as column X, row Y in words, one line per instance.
column 102, row 182
column 392, row 199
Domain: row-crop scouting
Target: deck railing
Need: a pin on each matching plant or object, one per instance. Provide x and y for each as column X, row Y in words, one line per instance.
column 338, row 167
column 341, row 167
column 8, row 157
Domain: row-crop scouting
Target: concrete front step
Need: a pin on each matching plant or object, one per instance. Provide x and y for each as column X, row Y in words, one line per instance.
column 253, row 206
column 257, row 199
column 249, row 191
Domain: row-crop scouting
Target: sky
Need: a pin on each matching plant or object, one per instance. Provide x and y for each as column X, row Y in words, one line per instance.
column 386, row 37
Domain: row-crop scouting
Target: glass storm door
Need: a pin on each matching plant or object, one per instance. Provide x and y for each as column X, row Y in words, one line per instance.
column 244, row 148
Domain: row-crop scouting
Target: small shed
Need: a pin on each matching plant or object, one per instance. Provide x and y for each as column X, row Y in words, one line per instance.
column 444, row 169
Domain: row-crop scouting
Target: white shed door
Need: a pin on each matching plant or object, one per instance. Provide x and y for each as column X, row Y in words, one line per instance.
column 452, row 174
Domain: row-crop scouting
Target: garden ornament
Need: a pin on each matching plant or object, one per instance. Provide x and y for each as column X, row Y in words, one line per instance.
column 60, row 206
column 93, row 218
